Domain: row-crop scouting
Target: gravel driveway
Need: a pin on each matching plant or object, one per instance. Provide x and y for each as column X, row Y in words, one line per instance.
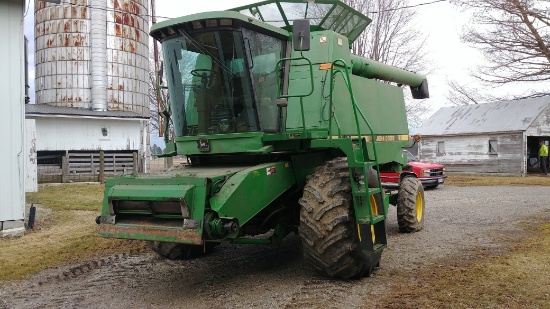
column 459, row 222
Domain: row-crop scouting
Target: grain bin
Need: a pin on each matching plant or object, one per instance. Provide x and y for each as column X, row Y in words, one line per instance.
column 93, row 54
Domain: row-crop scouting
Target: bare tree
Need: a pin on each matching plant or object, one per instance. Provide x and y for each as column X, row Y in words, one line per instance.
column 514, row 37
column 153, row 105
column 156, row 122
column 394, row 39
column 460, row 94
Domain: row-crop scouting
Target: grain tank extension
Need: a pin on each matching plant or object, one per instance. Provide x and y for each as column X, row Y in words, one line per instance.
column 284, row 131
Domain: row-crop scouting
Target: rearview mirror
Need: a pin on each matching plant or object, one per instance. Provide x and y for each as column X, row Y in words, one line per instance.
column 301, row 35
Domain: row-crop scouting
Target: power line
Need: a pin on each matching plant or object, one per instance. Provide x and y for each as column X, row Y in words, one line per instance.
column 164, row 17
column 111, row 10
column 407, row 7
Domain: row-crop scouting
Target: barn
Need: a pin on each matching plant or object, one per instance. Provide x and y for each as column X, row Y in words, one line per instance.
column 500, row 137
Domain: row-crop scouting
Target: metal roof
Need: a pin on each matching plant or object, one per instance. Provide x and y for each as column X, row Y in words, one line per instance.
column 502, row 116
column 44, row 109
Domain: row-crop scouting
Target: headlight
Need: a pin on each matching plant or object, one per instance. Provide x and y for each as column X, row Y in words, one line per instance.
column 426, row 173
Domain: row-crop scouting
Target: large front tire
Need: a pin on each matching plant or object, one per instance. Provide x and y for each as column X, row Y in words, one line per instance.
column 328, row 229
column 410, row 205
column 172, row 250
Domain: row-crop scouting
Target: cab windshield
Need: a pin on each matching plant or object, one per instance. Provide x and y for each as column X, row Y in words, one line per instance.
column 222, row 82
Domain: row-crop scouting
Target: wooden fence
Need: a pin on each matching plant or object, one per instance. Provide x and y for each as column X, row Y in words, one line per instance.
column 88, row 166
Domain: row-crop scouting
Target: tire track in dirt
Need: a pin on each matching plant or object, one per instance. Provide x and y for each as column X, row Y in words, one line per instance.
column 71, row 286
column 331, row 293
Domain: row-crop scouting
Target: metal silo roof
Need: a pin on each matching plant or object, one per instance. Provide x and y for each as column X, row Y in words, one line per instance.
column 48, row 110
column 502, row 116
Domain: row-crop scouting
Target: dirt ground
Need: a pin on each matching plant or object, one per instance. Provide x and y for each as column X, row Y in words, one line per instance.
column 460, row 224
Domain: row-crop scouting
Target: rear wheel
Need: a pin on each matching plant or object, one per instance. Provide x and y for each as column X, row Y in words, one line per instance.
column 410, row 205
column 330, row 235
column 173, row 250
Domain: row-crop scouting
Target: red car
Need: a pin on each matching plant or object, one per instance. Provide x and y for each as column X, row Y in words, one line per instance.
column 430, row 174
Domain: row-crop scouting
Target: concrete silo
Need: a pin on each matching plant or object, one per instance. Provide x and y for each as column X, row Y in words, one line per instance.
column 92, row 74
column 93, row 54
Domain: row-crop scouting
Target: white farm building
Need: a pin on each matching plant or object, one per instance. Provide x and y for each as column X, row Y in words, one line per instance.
column 501, row 137
column 12, row 87
column 69, row 142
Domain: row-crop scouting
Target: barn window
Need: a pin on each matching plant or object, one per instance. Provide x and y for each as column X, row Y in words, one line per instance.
column 440, row 148
column 493, row 146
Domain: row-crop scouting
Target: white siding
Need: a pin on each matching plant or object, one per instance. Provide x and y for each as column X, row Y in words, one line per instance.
column 31, row 176
column 62, row 133
column 12, row 191
column 470, row 154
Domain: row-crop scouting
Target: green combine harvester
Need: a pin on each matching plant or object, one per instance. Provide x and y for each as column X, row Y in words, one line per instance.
column 284, row 131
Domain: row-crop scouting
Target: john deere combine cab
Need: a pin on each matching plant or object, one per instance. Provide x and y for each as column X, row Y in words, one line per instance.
column 284, row 130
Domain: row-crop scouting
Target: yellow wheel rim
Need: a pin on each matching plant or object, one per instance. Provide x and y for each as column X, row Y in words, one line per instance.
column 419, row 207
column 374, row 209
column 373, row 205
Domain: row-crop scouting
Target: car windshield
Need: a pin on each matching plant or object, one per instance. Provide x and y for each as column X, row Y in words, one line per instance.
column 410, row 156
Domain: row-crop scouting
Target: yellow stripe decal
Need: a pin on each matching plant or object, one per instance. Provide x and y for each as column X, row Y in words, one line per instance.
column 380, row 138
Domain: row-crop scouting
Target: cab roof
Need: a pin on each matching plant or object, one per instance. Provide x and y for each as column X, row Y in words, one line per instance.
column 324, row 14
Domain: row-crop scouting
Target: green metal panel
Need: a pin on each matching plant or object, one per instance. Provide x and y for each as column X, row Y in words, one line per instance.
column 248, row 192
column 221, row 143
column 382, row 104
column 326, row 46
column 150, row 192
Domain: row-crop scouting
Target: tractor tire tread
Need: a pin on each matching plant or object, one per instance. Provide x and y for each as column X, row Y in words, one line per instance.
column 327, row 225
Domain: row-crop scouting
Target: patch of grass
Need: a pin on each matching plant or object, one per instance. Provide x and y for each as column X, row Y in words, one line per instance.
column 485, row 180
column 517, row 279
column 68, row 196
column 66, row 234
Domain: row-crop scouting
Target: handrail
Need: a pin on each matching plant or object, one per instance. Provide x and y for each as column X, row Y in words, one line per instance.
column 356, row 110
column 301, row 96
